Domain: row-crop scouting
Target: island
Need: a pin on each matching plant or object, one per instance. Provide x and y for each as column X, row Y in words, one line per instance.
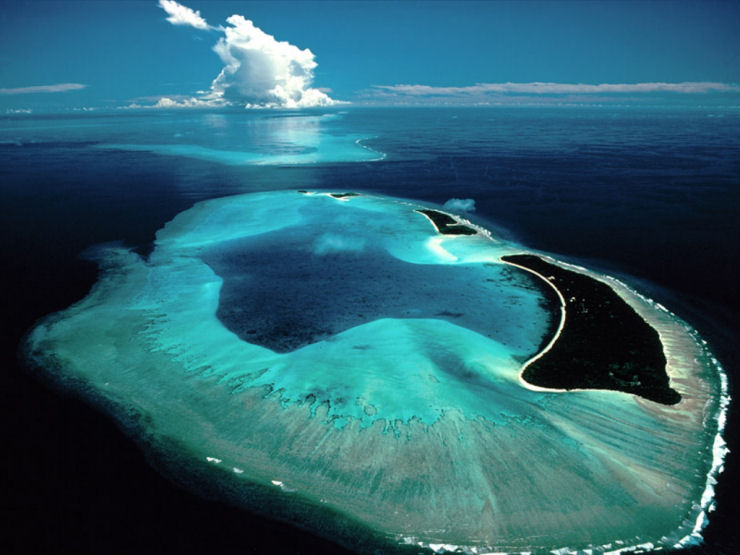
column 602, row 344
column 344, row 195
column 336, row 362
column 446, row 224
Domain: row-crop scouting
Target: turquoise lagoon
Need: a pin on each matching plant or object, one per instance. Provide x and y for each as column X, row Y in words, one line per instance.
column 342, row 354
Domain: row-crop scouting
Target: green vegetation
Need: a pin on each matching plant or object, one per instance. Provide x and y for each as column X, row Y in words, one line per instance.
column 604, row 344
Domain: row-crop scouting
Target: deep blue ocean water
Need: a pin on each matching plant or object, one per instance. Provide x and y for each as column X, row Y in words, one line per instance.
column 650, row 195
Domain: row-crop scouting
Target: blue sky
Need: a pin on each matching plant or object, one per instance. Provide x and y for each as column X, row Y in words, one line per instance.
column 62, row 55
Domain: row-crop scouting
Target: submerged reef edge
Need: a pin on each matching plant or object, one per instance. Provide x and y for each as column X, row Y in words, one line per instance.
column 141, row 423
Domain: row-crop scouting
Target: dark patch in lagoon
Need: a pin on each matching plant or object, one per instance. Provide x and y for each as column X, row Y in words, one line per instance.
column 514, row 403
column 451, row 314
column 604, row 344
column 278, row 293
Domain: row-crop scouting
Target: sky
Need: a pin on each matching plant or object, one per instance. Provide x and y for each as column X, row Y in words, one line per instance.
column 74, row 55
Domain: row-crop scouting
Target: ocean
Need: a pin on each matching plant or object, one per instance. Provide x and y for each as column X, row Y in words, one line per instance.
column 648, row 195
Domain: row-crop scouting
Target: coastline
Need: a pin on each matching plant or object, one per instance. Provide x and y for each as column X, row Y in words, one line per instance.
column 558, row 331
column 677, row 338
column 445, row 223
column 96, row 466
column 603, row 345
column 576, row 425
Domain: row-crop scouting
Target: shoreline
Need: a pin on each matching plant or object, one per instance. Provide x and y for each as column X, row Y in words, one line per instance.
column 543, row 352
column 606, row 344
column 445, row 223
column 446, row 426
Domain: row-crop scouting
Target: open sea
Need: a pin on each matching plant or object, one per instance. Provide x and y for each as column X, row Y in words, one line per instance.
column 649, row 195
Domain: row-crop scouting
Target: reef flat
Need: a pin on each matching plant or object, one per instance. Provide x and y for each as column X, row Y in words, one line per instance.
column 405, row 415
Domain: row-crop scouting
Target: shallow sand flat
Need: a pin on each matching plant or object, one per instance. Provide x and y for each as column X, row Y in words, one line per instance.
column 417, row 446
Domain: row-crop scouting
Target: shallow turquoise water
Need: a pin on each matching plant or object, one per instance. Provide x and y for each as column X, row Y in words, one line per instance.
column 408, row 406
column 458, row 333
column 412, row 408
column 291, row 287
column 241, row 139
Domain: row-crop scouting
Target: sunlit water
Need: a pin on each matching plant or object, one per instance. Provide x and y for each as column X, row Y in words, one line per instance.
column 410, row 406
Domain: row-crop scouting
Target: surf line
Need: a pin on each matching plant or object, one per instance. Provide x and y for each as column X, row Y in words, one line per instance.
column 524, row 383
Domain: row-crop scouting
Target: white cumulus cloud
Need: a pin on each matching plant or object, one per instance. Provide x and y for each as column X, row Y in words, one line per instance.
column 460, row 205
column 259, row 70
column 182, row 15
column 172, row 101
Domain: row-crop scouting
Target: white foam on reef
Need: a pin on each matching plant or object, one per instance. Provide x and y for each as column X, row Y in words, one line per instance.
column 719, row 452
column 443, row 547
column 282, row 486
column 378, row 155
column 454, row 448
column 719, row 445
